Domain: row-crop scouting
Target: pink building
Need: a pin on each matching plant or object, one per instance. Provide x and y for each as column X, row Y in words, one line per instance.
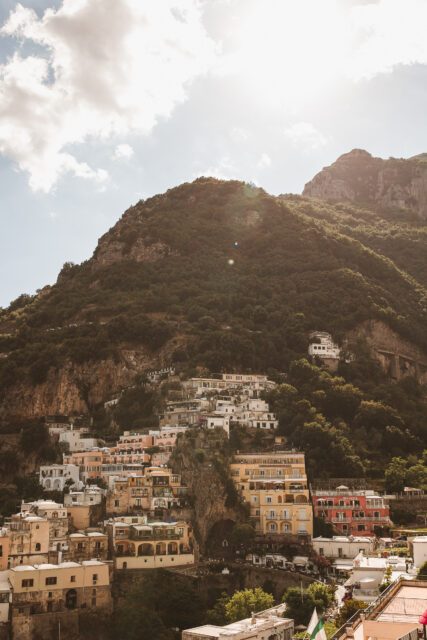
column 350, row 512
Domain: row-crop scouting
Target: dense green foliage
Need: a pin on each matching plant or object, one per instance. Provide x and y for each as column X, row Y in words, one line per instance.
column 243, row 278
column 406, row 472
column 348, row 609
column 220, row 275
column 301, row 602
column 347, row 432
column 243, row 603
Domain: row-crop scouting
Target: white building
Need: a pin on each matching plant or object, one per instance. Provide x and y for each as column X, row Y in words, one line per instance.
column 255, row 413
column 217, row 420
column 322, row 346
column 88, row 496
column 343, row 546
column 370, row 572
column 419, row 550
column 54, row 477
column 76, row 440
column 261, row 626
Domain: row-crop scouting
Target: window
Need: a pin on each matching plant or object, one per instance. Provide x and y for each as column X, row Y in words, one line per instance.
column 72, row 578
column 94, row 578
column 29, row 582
column 38, row 546
column 340, row 553
column 1, row 550
column 93, row 602
column 116, row 503
column 51, row 580
column 268, row 500
column 321, row 551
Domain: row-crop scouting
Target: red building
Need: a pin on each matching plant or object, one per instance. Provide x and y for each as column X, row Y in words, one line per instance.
column 350, row 512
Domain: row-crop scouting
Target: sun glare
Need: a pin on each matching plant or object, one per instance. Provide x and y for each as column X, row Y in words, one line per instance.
column 291, row 50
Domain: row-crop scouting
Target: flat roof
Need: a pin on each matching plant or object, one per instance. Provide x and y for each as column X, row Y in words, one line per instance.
column 407, row 605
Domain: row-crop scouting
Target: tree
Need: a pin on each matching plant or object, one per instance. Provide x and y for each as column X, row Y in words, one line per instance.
column 242, row 534
column 348, row 609
column 243, row 603
column 299, row 605
column 322, row 594
column 395, row 475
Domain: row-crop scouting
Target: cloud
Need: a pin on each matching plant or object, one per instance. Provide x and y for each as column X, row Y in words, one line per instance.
column 97, row 68
column 305, row 135
column 123, row 151
column 224, row 169
column 264, row 161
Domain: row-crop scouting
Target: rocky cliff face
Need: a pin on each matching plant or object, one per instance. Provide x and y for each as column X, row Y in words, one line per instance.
column 201, row 459
column 358, row 177
column 397, row 357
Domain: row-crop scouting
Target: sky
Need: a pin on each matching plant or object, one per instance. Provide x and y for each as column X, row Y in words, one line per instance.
column 105, row 102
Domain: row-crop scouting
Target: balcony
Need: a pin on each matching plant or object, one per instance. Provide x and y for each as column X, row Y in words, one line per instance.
column 157, row 535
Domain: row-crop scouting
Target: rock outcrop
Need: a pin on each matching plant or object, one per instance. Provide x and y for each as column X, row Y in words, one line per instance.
column 397, row 357
column 358, row 177
column 201, row 459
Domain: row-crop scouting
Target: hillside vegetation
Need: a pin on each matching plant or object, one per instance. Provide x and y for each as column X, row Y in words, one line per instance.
column 220, row 275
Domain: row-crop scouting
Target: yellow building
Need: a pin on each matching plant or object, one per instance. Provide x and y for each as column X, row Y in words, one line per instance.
column 159, row 488
column 275, row 486
column 87, row 545
column 47, row 599
column 4, row 548
column 28, row 539
column 138, row 544
column 54, row 587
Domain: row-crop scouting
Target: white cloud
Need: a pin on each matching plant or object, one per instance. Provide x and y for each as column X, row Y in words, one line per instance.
column 287, row 53
column 106, row 67
column 224, row 169
column 123, row 151
column 264, row 161
column 305, row 135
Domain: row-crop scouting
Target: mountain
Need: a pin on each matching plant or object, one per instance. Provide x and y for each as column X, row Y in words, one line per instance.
column 218, row 275
column 393, row 185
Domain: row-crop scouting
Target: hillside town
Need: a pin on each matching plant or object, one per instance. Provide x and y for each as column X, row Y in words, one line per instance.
column 120, row 509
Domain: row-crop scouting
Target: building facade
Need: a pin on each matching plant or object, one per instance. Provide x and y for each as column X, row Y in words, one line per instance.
column 265, row 625
column 352, row 512
column 136, row 543
column 275, row 486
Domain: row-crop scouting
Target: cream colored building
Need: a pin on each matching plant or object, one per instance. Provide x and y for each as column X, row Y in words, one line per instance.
column 275, row 486
column 28, row 539
column 85, row 508
column 56, row 515
column 139, row 544
column 49, row 588
column 87, row 545
column 4, row 548
column 261, row 626
column 157, row 489
column 393, row 616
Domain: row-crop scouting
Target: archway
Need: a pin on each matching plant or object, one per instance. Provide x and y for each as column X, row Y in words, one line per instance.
column 160, row 549
column 71, row 599
column 172, row 548
column 219, row 532
column 145, row 549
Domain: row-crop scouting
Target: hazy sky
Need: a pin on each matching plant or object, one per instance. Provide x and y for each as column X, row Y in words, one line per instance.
column 104, row 102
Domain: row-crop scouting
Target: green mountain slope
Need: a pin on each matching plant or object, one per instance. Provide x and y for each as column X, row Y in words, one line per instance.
column 228, row 276
column 220, row 275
